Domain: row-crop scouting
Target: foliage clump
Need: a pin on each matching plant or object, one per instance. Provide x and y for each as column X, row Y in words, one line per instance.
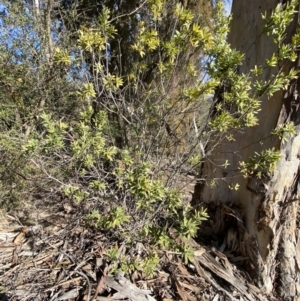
column 106, row 123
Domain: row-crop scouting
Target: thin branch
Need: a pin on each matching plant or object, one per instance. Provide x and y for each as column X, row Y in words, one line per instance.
column 129, row 14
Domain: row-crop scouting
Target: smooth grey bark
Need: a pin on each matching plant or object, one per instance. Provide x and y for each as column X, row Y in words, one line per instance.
column 260, row 220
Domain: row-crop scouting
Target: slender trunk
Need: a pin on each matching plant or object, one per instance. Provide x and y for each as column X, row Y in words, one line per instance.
column 260, row 219
column 47, row 24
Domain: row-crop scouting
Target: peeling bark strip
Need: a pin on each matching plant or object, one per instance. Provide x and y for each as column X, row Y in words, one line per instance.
column 210, row 263
column 126, row 289
column 260, row 220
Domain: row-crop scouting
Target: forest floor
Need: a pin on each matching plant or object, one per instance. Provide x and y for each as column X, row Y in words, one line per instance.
column 48, row 253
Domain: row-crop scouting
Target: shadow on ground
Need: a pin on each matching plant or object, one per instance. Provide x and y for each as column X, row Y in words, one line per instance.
column 3, row 297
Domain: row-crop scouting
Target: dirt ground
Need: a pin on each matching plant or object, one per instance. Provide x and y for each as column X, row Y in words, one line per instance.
column 47, row 253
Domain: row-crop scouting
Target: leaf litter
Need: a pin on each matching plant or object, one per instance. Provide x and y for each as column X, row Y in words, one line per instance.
column 67, row 261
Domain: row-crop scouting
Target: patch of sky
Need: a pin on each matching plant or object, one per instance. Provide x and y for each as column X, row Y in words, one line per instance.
column 10, row 34
column 228, row 4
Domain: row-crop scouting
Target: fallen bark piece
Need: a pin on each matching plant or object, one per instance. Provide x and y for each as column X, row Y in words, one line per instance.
column 127, row 289
column 185, row 296
column 215, row 267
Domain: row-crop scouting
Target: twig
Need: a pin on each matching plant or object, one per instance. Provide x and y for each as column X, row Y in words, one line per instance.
column 88, row 282
column 129, row 14
column 62, row 283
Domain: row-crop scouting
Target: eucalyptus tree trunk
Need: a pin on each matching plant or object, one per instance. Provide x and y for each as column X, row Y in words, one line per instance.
column 260, row 220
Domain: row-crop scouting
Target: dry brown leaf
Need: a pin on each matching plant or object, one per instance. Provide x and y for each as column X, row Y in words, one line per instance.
column 179, row 289
column 101, row 283
column 20, row 237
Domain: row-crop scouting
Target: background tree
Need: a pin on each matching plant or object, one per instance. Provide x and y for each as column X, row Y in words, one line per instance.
column 253, row 197
column 28, row 87
column 128, row 18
